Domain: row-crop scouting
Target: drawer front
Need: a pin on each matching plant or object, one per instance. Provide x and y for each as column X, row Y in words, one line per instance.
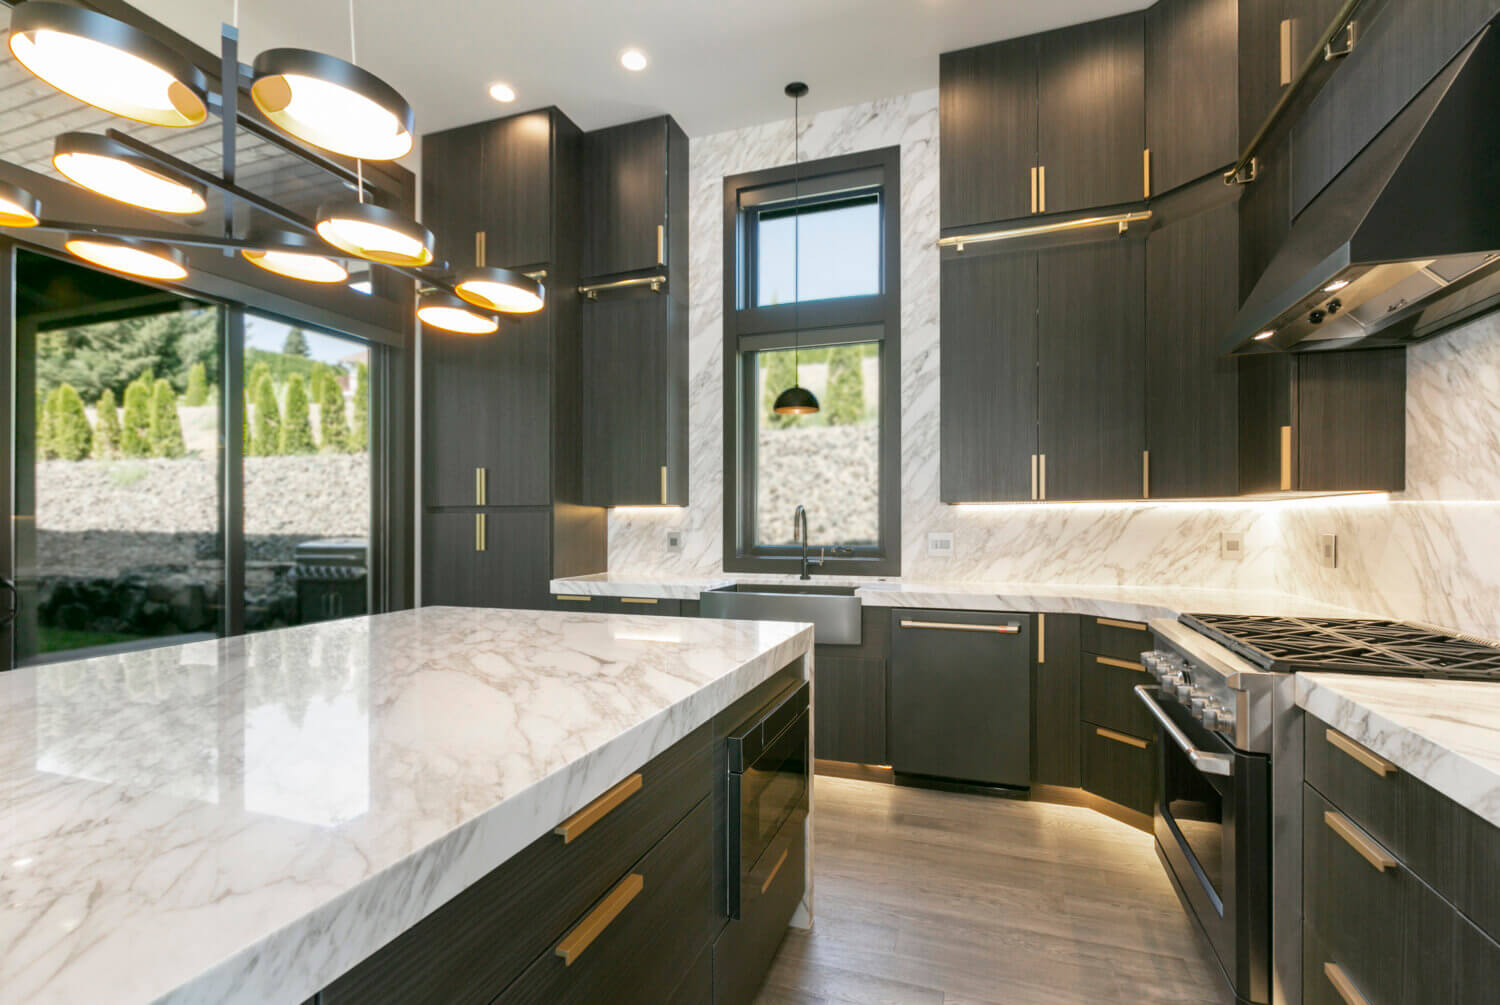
column 1119, row 767
column 1116, row 637
column 1107, row 696
column 769, row 895
column 697, row 987
column 1362, row 785
column 476, row 944
column 578, row 602
column 640, row 940
column 661, row 607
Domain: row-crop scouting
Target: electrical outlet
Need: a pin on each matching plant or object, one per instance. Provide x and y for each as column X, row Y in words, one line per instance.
column 940, row 545
column 1328, row 551
column 1232, row 546
column 674, row 540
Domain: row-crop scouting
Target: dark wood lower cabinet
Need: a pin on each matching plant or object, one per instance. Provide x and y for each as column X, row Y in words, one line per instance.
column 1109, row 699
column 849, row 709
column 1119, row 767
column 1055, row 752
column 510, row 570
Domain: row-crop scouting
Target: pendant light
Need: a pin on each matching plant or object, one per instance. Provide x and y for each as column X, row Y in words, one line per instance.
column 143, row 259
column 113, row 170
column 441, row 309
column 108, row 64
column 796, row 400
column 500, row 290
column 284, row 256
column 18, row 207
column 333, row 104
column 374, row 233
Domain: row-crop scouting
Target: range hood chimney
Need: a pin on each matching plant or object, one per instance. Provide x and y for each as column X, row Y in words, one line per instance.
column 1405, row 242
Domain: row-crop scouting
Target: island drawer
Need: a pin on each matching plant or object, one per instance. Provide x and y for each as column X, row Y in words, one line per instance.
column 1366, row 787
column 1119, row 767
column 471, row 948
column 1107, row 695
column 769, row 895
column 642, row 937
column 1115, row 637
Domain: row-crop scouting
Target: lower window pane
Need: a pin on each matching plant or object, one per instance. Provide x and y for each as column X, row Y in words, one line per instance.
column 828, row 462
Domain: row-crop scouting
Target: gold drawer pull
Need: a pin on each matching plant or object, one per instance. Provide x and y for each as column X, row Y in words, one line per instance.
column 1117, row 623
column 1368, row 758
column 597, row 810
column 1359, row 841
column 479, row 533
column 776, row 869
column 596, row 921
column 481, row 489
column 955, row 627
column 663, row 484
column 574, row 598
column 1110, row 661
column 638, row 600
column 1343, row 985
column 1125, row 738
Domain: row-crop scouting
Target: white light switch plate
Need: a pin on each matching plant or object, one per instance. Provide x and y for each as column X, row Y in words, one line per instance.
column 1232, row 545
column 1328, row 550
column 940, row 545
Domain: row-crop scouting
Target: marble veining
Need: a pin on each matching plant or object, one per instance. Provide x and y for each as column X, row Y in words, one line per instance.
column 1445, row 733
column 245, row 819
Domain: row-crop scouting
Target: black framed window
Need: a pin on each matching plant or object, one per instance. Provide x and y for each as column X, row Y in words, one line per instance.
column 840, row 338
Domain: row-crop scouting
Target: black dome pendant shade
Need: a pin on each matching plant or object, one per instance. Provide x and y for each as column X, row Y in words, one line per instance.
column 796, row 400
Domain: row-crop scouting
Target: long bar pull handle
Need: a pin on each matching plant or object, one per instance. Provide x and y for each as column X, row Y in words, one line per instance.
column 639, row 600
column 1368, row 758
column 1043, row 466
column 1145, row 474
column 1359, row 841
column 1108, row 661
column 479, row 534
column 596, row 921
column 1125, row 738
column 1146, row 173
column 1120, row 221
column 592, row 290
column 1033, row 190
column 663, row 484
column 661, row 244
column 1343, row 985
column 575, row 598
column 1285, row 76
column 573, row 827
column 481, row 487
column 1034, row 495
column 1286, row 458
column 1117, row 623
column 1205, row 761
column 1041, row 638
column 479, row 248
column 1041, row 186
column 954, row 627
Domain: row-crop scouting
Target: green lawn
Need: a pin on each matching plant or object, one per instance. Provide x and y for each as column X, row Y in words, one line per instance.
column 60, row 640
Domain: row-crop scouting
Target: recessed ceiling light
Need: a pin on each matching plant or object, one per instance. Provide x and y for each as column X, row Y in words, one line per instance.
column 503, row 92
column 1262, row 336
column 1335, row 286
column 633, row 60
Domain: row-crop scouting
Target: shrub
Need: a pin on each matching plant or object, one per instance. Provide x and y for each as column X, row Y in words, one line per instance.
column 135, row 434
column 295, row 343
column 106, row 427
column 333, row 432
column 166, row 426
column 846, row 387
column 260, row 371
column 359, row 436
column 296, row 432
column 197, row 386
column 267, row 439
column 43, row 427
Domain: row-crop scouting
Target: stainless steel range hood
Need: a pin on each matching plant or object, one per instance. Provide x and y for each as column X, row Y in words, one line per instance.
column 1405, row 242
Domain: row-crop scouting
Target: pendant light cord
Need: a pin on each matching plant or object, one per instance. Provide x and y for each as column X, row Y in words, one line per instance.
column 796, row 240
column 359, row 164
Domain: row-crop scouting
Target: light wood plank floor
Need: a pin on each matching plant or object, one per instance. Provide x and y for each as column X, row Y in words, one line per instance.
column 928, row 898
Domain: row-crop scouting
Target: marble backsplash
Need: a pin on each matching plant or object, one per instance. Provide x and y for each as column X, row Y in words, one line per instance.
column 1432, row 552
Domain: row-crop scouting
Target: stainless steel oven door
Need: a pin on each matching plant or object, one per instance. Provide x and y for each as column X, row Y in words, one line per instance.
column 769, row 766
column 1212, row 825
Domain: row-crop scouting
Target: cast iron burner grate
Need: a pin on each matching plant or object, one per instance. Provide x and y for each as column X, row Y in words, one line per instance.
column 1340, row 645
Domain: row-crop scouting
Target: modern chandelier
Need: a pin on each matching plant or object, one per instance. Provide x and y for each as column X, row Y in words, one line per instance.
column 321, row 100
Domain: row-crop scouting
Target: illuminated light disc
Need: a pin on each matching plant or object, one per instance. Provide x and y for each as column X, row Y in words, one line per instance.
column 489, row 291
column 376, row 234
column 332, row 104
column 295, row 265
column 18, row 207
column 633, row 60
column 441, row 310
column 503, row 93
column 129, row 183
column 145, row 261
column 1335, row 286
column 1262, row 336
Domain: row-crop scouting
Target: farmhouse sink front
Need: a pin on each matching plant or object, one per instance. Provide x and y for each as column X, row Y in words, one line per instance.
column 832, row 610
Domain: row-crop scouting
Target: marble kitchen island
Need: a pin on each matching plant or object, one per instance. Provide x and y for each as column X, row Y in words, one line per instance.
column 246, row 819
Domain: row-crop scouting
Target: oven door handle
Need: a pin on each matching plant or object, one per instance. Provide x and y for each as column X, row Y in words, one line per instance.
column 1209, row 764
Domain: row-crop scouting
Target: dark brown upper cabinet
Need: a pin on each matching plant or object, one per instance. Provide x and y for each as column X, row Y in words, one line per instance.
column 1091, row 114
column 987, row 109
column 1192, row 90
column 628, row 194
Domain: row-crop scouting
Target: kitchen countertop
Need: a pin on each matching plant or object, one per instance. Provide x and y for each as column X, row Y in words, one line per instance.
column 1444, row 732
column 246, row 819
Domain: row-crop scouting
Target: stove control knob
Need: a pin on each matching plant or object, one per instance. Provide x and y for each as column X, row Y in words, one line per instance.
column 1169, row 679
column 1184, row 691
column 1223, row 719
column 1197, row 703
column 1208, row 713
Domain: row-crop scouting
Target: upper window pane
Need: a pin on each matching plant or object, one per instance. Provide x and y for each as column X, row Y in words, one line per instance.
column 837, row 243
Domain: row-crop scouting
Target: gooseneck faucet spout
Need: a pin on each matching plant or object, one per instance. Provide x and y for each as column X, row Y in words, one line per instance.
column 799, row 534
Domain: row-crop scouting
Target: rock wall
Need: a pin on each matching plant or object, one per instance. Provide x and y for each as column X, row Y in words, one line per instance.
column 831, row 470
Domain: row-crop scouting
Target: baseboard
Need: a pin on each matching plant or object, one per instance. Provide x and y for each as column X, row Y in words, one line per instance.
column 881, row 773
column 968, row 788
column 1064, row 796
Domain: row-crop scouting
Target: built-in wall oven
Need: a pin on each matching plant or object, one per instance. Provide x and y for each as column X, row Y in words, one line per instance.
column 769, row 767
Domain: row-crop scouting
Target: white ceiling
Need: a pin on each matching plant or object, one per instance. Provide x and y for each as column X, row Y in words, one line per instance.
column 715, row 65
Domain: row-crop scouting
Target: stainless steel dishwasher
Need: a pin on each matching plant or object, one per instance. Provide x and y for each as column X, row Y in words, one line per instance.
column 960, row 696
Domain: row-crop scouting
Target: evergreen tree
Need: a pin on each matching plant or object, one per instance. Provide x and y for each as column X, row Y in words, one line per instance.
column 322, row 375
column 295, row 345
column 106, row 427
column 296, row 432
column 260, row 371
column 267, row 439
column 846, row 386
column 71, row 435
column 166, row 426
column 779, row 373
column 135, row 434
column 44, row 414
column 359, row 436
column 245, row 448
column 333, row 423
column 197, row 386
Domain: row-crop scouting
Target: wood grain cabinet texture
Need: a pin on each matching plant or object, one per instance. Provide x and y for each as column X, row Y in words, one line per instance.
column 1192, row 90
column 1056, row 751
column 987, row 124
column 635, row 185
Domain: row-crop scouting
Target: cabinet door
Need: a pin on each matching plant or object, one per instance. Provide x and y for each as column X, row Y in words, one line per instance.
column 1091, row 336
column 517, row 185
column 1119, row 767
column 1091, row 113
column 487, row 405
column 1057, row 693
column 987, row 131
column 849, row 709
column 1192, row 282
column 625, row 197
column 1191, row 89
column 987, row 425
column 512, row 569
column 451, row 161
column 1336, row 454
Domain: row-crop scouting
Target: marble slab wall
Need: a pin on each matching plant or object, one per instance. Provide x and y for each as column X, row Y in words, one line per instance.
column 1432, row 552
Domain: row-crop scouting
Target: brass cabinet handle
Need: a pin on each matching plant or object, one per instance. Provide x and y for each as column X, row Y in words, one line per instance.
column 1110, row 661
column 1117, row 623
column 479, row 532
column 479, row 247
column 574, row 597
column 1146, row 173
column 1359, row 841
column 1033, row 190
column 663, row 484
column 1286, row 458
column 954, row 627
column 1145, row 474
column 661, row 244
column 596, row 921
column 575, row 825
column 1033, row 477
column 1343, row 985
column 1285, row 77
column 639, row 600
column 1368, row 758
column 481, row 487
column 1041, row 638
column 1125, row 738
column 1042, row 459
column 1041, row 188
column 774, row 870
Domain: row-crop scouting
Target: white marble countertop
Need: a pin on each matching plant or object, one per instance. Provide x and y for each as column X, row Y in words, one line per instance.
column 246, row 819
column 1445, row 733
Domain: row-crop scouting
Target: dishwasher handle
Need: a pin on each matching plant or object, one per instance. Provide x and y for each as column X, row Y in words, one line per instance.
column 951, row 626
column 1203, row 760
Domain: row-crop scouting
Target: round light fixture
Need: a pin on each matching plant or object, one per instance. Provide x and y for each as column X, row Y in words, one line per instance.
column 143, row 259
column 379, row 235
column 796, row 400
column 500, row 290
column 1262, row 336
column 332, row 104
column 633, row 60
column 503, row 92
column 441, row 309
column 282, row 255
column 18, row 207
column 108, row 64
column 115, row 171
column 1336, row 285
